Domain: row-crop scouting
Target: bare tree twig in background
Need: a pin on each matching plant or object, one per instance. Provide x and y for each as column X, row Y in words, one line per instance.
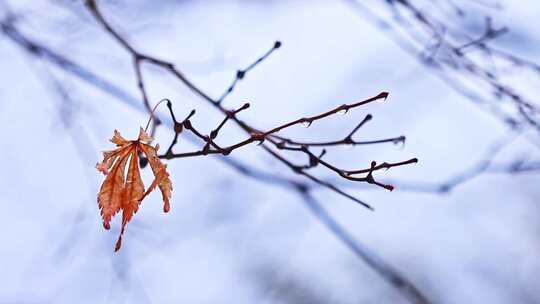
column 467, row 63
column 484, row 165
column 373, row 260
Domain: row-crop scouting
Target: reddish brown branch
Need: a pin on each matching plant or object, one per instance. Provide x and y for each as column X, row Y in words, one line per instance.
column 254, row 134
column 240, row 74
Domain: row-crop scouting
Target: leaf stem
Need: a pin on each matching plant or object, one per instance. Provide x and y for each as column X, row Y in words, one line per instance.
column 152, row 113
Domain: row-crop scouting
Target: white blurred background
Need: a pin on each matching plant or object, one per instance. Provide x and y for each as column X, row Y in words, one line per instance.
column 230, row 238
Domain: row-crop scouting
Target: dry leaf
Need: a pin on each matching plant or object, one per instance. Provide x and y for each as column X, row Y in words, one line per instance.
column 125, row 192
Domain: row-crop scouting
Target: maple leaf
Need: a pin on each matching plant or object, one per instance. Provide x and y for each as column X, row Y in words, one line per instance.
column 126, row 192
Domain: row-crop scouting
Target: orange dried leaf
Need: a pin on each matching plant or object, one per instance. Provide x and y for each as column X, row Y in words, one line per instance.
column 162, row 179
column 121, row 192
